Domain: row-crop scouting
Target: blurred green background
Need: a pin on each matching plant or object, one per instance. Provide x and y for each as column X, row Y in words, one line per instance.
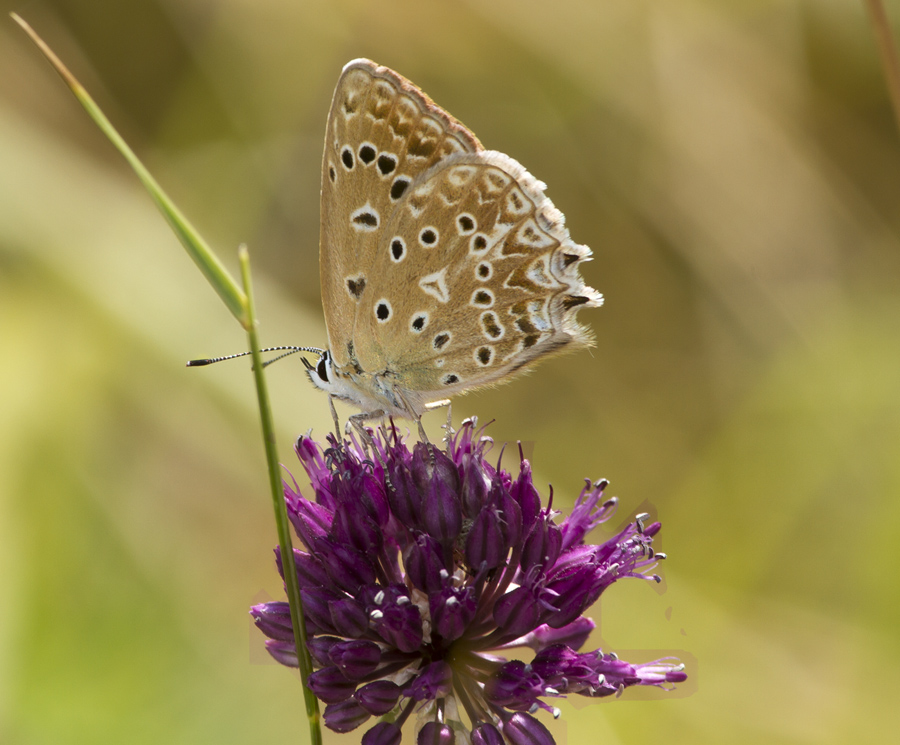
column 735, row 168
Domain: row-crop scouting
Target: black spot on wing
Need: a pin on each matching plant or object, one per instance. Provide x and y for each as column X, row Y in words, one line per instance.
column 356, row 286
column 398, row 188
column 367, row 154
column 386, row 164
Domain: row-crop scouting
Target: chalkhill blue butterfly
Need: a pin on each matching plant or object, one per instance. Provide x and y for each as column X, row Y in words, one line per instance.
column 443, row 266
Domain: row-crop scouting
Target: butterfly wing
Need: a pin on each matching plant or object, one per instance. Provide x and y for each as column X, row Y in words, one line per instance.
column 475, row 277
column 382, row 134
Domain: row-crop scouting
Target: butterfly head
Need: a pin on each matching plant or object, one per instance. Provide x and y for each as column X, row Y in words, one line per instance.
column 326, row 375
column 322, row 373
column 374, row 394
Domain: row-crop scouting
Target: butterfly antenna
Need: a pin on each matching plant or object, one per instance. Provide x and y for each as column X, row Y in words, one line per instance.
column 282, row 356
column 287, row 351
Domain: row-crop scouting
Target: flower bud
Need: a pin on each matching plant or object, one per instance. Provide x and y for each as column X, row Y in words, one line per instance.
column 435, row 733
column 383, row 733
column 345, row 716
column 524, row 729
column 378, row 697
column 357, row 658
column 330, row 685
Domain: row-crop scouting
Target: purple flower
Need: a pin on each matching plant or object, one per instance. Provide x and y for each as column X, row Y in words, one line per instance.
column 421, row 568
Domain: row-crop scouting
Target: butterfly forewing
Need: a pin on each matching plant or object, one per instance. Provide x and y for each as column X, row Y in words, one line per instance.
column 382, row 134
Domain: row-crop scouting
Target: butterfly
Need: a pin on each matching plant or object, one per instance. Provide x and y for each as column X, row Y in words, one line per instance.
column 443, row 266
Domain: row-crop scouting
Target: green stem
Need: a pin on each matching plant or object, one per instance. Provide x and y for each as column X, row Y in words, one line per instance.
column 888, row 51
column 240, row 303
column 281, row 519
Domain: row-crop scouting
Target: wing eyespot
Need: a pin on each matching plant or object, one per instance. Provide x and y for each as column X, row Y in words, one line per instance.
column 418, row 322
column 398, row 249
column 465, row 223
column 398, row 188
column 428, row 237
column 383, row 311
column 367, row 153
column 387, row 162
column 441, row 340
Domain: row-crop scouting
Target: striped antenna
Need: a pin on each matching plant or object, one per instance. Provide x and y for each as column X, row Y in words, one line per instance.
column 286, row 352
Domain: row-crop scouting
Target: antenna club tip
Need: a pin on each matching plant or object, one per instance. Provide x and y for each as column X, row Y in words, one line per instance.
column 197, row 363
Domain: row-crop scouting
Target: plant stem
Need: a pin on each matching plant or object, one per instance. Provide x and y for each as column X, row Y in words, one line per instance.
column 240, row 303
column 281, row 519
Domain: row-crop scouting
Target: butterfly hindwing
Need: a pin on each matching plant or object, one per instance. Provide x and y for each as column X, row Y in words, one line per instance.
column 475, row 276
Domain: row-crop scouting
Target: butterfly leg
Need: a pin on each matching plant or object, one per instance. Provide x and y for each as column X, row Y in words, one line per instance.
column 358, row 423
column 448, row 427
column 414, row 415
column 437, row 405
column 334, row 417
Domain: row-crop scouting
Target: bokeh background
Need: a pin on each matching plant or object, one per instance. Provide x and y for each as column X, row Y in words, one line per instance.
column 735, row 168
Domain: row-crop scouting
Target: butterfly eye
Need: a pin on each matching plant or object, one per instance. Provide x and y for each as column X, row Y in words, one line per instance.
column 322, row 368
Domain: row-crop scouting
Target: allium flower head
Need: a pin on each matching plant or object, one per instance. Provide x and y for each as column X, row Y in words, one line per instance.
column 423, row 567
